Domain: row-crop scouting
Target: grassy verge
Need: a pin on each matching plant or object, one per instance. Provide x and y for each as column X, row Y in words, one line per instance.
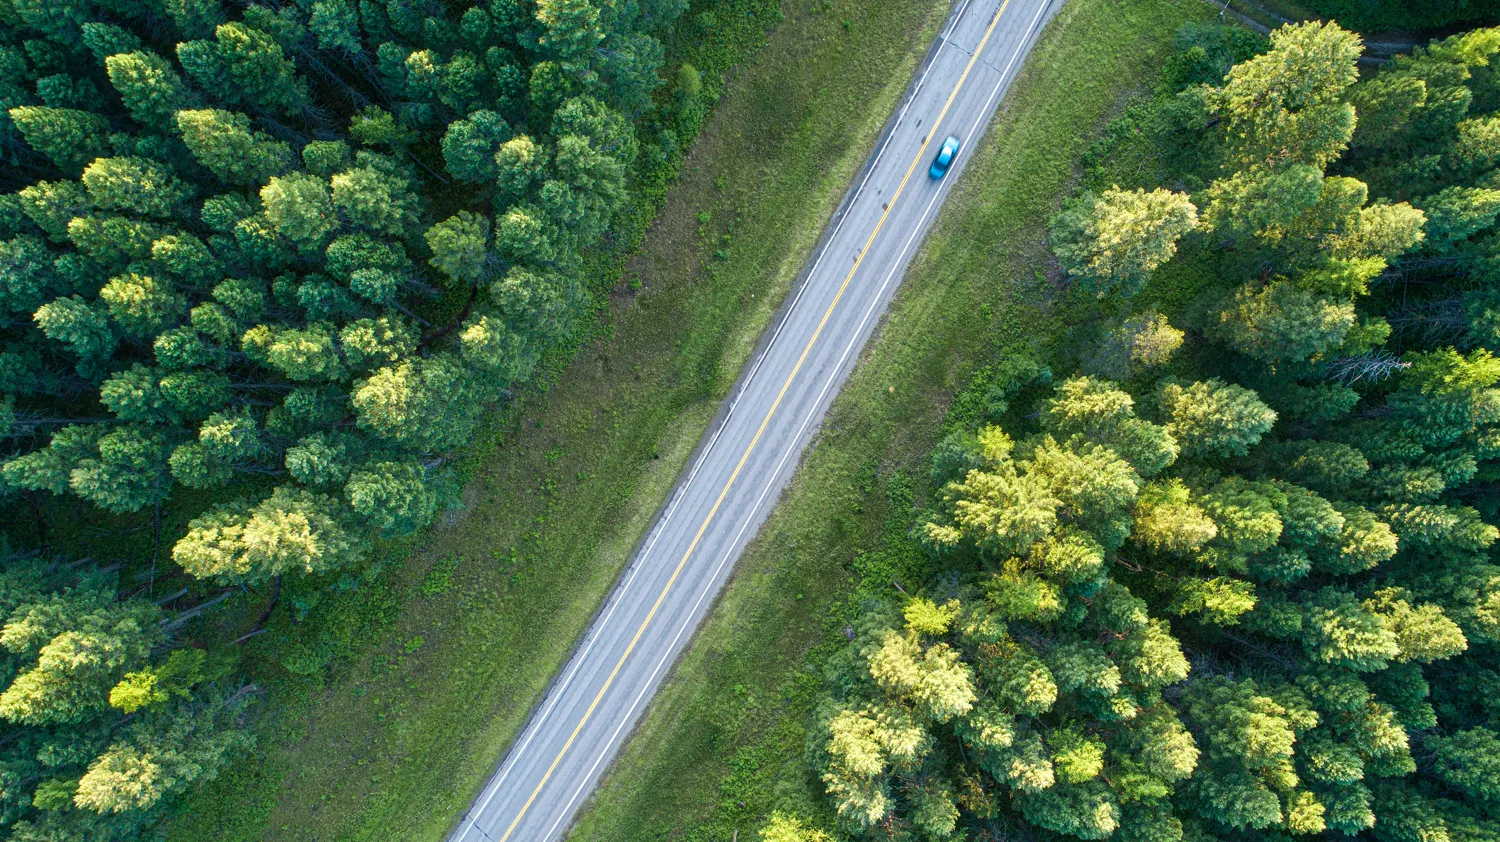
column 445, row 655
column 723, row 744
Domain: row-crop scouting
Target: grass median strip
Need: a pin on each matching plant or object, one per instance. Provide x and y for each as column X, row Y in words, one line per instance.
column 723, row 743
column 445, row 655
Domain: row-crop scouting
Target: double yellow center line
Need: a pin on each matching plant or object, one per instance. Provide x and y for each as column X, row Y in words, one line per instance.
column 859, row 258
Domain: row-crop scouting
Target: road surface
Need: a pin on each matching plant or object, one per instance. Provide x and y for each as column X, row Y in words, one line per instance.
column 751, row 453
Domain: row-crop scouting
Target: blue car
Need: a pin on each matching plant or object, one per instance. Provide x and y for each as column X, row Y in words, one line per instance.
column 944, row 158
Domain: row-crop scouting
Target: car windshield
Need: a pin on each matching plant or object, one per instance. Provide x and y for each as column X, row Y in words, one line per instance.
column 944, row 157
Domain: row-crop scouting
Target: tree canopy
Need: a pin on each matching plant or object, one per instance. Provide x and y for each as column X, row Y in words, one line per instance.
column 263, row 268
column 1235, row 578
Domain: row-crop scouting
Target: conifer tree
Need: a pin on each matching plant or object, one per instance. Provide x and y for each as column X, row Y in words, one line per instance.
column 290, row 530
column 1213, row 417
column 150, row 88
column 217, row 264
column 223, row 142
column 1286, row 107
column 1283, row 322
column 1114, row 240
column 69, row 137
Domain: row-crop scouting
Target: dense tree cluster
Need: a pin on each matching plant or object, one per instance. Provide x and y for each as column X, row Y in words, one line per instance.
column 1236, row 579
column 105, row 718
column 285, row 253
column 1403, row 16
column 1036, row 675
column 248, row 290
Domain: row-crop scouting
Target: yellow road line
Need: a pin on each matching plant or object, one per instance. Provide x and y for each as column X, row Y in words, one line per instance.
column 763, row 424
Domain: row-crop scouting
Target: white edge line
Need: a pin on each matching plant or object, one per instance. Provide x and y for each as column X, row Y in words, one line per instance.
column 494, row 785
column 730, row 552
column 924, row 220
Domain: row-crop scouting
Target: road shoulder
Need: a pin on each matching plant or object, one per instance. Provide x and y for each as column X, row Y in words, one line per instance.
column 723, row 742
column 444, row 658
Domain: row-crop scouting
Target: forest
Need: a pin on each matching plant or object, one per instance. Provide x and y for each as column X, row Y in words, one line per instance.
column 1219, row 566
column 1388, row 16
column 263, row 269
column 1219, row 563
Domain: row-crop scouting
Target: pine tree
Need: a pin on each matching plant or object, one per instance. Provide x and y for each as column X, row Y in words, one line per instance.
column 1168, row 521
column 1283, row 322
column 223, row 142
column 26, row 274
column 1287, row 106
column 149, row 86
column 135, row 184
column 290, row 530
column 1213, row 417
column 460, row 247
column 78, row 647
column 245, row 64
column 1467, row 760
column 1139, row 342
column 376, row 195
column 1113, row 241
column 301, row 209
column 1455, row 214
column 335, row 23
column 69, row 137
column 470, row 146
column 418, row 401
column 395, row 498
column 518, row 163
column 572, row 31
column 158, row 757
column 129, row 473
column 83, row 329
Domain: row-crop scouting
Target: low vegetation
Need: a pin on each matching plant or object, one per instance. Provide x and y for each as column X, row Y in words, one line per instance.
column 723, row 745
column 566, row 480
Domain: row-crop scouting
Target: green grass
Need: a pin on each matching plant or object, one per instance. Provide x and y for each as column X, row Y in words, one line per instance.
column 723, row 743
column 443, row 655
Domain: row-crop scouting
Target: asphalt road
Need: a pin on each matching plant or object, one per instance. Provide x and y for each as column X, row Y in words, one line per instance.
column 751, row 453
